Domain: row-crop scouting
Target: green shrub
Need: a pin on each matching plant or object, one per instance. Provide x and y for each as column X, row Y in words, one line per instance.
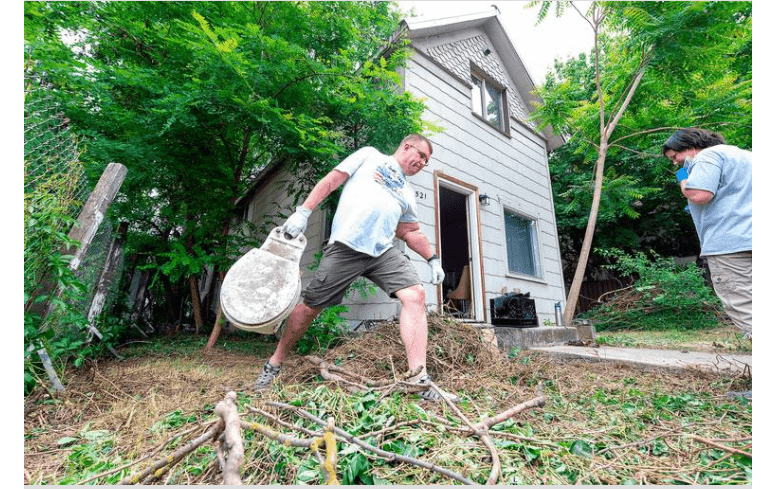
column 664, row 295
column 54, row 189
column 327, row 331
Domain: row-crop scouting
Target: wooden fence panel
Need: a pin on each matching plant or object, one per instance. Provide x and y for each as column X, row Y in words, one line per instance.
column 592, row 290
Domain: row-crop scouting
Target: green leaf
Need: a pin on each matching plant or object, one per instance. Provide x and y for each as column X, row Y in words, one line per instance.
column 66, row 440
column 531, row 453
column 96, row 434
column 306, row 476
column 582, row 449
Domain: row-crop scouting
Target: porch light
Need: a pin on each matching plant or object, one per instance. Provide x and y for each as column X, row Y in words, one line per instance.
column 484, row 199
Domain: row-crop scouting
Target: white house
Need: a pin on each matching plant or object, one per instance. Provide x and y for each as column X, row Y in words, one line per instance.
column 485, row 200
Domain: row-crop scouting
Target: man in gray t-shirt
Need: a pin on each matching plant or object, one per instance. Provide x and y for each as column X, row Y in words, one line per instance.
column 377, row 205
column 717, row 180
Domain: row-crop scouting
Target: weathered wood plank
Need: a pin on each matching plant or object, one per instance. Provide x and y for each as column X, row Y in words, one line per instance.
column 94, row 210
column 104, row 283
column 89, row 220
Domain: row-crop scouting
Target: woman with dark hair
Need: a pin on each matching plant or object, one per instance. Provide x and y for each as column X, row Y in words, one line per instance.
column 717, row 180
column 692, row 138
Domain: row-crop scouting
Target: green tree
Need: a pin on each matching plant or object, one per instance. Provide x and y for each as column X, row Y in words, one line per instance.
column 196, row 97
column 655, row 66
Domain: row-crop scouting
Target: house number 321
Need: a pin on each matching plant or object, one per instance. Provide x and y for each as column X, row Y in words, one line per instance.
column 420, row 195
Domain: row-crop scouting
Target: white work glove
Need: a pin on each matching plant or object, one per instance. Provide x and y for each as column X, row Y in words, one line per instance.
column 297, row 223
column 437, row 273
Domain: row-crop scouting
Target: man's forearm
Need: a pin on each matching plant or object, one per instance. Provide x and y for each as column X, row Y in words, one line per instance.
column 418, row 243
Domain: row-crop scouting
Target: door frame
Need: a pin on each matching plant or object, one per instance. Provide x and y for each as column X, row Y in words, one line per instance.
column 473, row 215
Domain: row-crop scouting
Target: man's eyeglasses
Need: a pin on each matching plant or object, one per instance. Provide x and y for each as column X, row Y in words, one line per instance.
column 420, row 153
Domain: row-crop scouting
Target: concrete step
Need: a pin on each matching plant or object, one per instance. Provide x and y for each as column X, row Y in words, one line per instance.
column 526, row 338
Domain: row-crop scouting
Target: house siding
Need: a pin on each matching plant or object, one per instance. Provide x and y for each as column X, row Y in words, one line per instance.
column 513, row 171
column 457, row 56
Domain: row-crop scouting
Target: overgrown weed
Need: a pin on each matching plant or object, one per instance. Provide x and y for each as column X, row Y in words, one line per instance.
column 664, row 296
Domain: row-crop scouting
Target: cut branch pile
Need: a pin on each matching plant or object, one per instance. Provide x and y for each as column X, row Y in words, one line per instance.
column 228, row 432
column 376, row 354
column 456, row 350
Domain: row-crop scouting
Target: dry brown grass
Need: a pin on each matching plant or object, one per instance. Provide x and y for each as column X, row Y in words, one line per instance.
column 129, row 398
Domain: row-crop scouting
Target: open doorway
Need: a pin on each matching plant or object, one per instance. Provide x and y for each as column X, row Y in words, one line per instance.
column 457, row 290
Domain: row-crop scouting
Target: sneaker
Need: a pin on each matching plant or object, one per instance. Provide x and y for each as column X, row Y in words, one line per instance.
column 432, row 394
column 265, row 378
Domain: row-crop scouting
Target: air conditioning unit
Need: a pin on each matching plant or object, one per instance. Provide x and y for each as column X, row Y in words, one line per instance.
column 515, row 310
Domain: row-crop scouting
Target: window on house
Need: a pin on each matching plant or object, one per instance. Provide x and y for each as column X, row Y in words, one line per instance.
column 522, row 245
column 490, row 102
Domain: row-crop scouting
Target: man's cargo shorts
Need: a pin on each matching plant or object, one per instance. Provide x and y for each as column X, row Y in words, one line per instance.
column 341, row 265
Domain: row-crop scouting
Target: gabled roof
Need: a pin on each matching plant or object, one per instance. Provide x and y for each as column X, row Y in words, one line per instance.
column 421, row 28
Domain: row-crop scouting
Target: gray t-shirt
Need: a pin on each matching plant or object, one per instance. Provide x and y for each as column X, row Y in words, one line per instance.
column 374, row 200
column 724, row 224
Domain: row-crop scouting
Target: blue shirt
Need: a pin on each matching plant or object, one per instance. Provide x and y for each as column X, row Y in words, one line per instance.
column 724, row 224
column 374, row 200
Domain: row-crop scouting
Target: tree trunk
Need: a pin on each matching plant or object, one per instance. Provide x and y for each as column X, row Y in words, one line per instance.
column 173, row 319
column 217, row 330
column 195, row 297
column 586, row 247
column 208, row 301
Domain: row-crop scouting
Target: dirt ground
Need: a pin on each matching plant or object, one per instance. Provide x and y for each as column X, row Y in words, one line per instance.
column 128, row 398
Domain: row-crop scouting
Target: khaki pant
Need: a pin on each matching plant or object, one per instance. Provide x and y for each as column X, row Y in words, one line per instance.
column 732, row 277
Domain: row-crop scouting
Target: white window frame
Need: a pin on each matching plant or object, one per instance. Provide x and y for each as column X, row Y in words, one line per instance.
column 535, row 245
column 479, row 102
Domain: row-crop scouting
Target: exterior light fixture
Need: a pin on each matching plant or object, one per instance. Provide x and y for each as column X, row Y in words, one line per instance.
column 484, row 199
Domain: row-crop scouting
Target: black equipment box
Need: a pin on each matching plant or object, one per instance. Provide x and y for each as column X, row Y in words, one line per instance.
column 516, row 310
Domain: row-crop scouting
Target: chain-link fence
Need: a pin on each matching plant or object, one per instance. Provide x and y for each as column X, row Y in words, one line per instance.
column 51, row 152
column 55, row 189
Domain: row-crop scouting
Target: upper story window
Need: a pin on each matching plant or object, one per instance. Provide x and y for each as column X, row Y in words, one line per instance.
column 490, row 102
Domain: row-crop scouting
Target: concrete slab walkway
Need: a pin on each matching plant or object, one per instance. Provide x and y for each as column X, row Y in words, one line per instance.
column 729, row 363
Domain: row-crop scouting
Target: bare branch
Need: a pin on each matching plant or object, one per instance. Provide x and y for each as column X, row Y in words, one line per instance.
column 232, row 442
column 158, row 468
column 386, row 455
column 505, row 415
column 483, row 434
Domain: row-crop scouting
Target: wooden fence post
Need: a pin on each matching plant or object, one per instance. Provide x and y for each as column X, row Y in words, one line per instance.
column 106, row 278
column 89, row 220
column 94, row 210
